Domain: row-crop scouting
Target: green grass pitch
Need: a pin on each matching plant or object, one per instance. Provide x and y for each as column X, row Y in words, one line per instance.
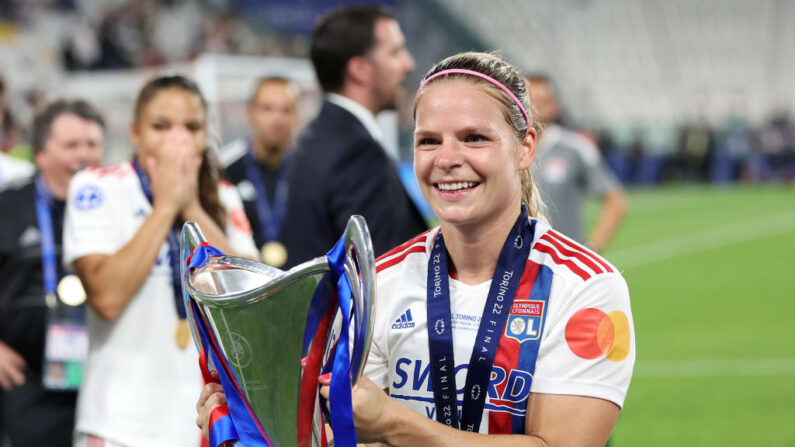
column 711, row 274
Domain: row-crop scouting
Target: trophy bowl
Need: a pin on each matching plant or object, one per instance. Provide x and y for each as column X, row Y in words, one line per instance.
column 258, row 316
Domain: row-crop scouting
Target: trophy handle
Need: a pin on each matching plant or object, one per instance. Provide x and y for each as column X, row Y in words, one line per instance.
column 360, row 269
column 192, row 237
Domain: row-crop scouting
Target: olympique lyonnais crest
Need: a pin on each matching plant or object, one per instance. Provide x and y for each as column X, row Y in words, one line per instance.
column 525, row 320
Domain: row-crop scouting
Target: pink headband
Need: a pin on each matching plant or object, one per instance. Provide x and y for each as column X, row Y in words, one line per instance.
column 481, row 76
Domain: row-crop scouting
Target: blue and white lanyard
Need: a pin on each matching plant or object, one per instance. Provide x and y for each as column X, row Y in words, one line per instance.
column 49, row 264
column 510, row 266
column 269, row 215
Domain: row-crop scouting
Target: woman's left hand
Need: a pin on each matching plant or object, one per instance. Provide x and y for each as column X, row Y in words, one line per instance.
column 373, row 410
column 194, row 204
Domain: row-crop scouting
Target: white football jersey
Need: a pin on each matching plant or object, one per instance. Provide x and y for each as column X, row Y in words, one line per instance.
column 139, row 388
column 587, row 338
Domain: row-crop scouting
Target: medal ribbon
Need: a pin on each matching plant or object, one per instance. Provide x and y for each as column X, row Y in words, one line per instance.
column 320, row 315
column 340, row 399
column 172, row 239
column 236, row 420
column 505, row 282
column 49, row 265
column 270, row 216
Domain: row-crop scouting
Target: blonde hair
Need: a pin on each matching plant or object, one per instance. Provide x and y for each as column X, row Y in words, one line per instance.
column 497, row 68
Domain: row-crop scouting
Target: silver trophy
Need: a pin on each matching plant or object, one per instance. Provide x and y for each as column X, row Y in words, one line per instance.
column 258, row 315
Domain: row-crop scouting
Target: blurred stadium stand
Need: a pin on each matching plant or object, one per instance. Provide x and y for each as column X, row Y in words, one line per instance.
column 643, row 76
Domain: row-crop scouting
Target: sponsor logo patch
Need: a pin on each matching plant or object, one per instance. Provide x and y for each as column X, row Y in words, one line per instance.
column 405, row 321
column 89, row 197
column 592, row 333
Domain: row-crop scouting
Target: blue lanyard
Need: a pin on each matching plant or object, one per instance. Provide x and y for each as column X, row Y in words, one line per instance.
column 173, row 243
column 269, row 215
column 49, row 265
column 510, row 266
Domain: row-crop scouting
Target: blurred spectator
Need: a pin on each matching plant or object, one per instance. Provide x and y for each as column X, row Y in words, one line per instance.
column 67, row 136
column 340, row 167
column 696, row 148
column 146, row 33
column 638, row 158
column 777, row 145
column 570, row 168
column 13, row 170
column 733, row 154
column 613, row 154
column 9, row 129
column 258, row 165
column 121, row 232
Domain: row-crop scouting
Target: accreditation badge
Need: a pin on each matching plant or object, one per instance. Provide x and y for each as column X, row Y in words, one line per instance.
column 66, row 342
column 65, row 348
column 274, row 254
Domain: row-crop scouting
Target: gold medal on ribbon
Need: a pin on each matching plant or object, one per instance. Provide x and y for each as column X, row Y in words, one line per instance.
column 182, row 333
column 71, row 291
column 274, row 253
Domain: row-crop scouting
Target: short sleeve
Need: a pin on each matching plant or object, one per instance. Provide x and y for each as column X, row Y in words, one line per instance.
column 89, row 226
column 377, row 366
column 588, row 347
column 598, row 177
column 238, row 228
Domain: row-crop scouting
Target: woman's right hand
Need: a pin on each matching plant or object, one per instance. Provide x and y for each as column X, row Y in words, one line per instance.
column 211, row 397
column 174, row 171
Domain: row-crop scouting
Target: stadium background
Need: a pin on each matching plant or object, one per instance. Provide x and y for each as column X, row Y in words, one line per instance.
column 690, row 100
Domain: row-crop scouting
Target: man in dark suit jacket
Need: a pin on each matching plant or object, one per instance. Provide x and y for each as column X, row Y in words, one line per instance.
column 67, row 135
column 339, row 167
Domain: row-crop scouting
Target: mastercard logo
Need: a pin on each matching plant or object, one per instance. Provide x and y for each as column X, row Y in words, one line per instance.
column 592, row 333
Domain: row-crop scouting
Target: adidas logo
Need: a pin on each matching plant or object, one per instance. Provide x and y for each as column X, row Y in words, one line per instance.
column 29, row 237
column 405, row 321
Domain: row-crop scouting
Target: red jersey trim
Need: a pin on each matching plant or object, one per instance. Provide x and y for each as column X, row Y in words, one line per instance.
column 582, row 250
column 119, row 170
column 572, row 254
column 540, row 246
column 399, row 253
column 399, row 259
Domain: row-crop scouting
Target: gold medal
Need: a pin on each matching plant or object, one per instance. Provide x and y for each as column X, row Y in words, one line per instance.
column 71, row 291
column 274, row 253
column 182, row 333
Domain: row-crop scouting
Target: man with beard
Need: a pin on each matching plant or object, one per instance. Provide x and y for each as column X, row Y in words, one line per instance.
column 340, row 167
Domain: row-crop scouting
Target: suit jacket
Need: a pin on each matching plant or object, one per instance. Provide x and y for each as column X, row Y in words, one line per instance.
column 338, row 170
